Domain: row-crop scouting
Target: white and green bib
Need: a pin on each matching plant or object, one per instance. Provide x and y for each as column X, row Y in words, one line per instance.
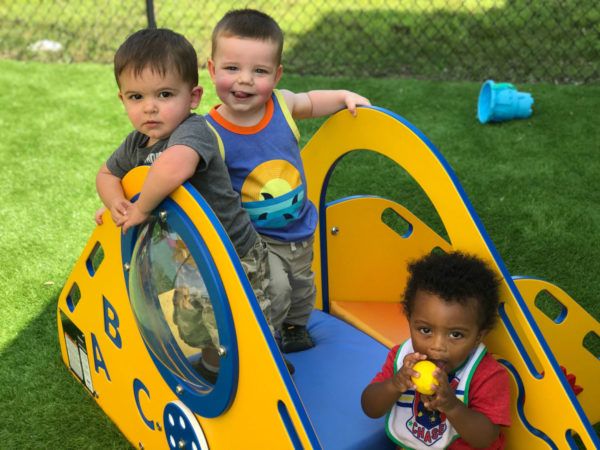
column 410, row 425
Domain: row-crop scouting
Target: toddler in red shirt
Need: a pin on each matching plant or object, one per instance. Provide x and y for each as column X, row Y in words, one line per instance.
column 451, row 302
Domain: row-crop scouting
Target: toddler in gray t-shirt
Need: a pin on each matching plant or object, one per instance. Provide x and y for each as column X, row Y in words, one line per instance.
column 157, row 74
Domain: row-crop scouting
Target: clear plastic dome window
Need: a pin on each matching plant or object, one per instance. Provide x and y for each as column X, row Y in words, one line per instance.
column 182, row 312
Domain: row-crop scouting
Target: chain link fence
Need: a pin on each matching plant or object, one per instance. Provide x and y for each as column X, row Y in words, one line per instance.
column 520, row 40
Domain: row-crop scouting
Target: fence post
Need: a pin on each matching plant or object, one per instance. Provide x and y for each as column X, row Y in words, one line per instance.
column 150, row 14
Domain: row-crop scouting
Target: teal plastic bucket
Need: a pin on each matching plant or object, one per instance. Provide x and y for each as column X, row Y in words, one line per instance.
column 501, row 101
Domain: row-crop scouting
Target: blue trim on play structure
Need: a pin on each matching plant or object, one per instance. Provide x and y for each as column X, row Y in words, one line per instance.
column 517, row 341
column 322, row 207
column 72, row 304
column 89, row 265
column 164, row 350
column 521, row 402
column 569, row 436
column 349, row 198
column 324, row 263
column 564, row 311
column 289, row 425
column 260, row 318
column 506, row 275
column 337, row 201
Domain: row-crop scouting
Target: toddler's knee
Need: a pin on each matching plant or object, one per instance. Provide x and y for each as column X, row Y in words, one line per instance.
column 279, row 287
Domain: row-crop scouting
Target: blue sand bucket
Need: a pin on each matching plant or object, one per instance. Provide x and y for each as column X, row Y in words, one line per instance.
column 501, row 101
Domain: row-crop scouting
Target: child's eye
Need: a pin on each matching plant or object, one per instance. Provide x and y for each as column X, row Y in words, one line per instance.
column 135, row 97
column 165, row 94
column 230, row 68
column 425, row 330
column 456, row 335
column 262, row 71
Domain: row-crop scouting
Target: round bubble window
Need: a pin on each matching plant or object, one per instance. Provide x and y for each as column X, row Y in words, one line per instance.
column 181, row 309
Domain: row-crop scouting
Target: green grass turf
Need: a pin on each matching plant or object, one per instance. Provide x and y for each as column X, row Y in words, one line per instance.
column 532, row 182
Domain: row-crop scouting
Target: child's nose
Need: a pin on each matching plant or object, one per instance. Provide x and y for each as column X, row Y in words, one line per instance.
column 150, row 106
column 245, row 77
column 438, row 343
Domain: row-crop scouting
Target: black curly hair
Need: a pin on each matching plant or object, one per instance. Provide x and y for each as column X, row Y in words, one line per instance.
column 455, row 277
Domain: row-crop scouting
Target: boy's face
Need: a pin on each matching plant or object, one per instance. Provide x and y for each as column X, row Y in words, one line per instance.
column 245, row 72
column 446, row 332
column 156, row 105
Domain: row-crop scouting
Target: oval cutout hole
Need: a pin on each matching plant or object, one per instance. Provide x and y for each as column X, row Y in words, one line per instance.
column 95, row 259
column 591, row 342
column 573, row 439
column 396, row 222
column 550, row 306
column 73, row 297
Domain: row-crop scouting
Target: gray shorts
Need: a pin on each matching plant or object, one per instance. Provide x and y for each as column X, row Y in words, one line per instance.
column 292, row 282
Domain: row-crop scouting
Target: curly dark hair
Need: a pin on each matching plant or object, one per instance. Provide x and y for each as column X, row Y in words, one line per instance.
column 455, row 277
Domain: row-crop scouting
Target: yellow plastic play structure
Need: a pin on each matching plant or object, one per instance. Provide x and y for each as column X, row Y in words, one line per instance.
column 117, row 336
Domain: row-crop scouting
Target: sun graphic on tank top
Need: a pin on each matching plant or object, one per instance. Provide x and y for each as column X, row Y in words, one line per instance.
column 273, row 194
column 275, row 188
column 269, row 180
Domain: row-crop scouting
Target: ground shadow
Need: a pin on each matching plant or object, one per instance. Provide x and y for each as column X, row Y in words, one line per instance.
column 43, row 406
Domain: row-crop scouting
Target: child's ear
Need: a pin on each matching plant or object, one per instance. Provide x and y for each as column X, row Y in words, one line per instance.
column 120, row 96
column 278, row 74
column 481, row 335
column 211, row 68
column 196, row 96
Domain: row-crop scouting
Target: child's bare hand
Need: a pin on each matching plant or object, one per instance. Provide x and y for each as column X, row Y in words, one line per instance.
column 401, row 379
column 119, row 209
column 98, row 215
column 443, row 398
column 353, row 100
column 134, row 216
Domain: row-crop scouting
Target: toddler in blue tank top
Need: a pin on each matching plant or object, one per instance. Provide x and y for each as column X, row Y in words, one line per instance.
column 260, row 142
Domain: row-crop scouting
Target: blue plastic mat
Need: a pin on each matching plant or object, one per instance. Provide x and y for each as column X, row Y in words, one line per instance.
column 330, row 379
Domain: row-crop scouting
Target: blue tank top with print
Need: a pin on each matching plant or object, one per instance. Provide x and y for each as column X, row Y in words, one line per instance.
column 265, row 167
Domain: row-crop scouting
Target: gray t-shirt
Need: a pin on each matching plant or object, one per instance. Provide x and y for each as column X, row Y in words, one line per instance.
column 211, row 178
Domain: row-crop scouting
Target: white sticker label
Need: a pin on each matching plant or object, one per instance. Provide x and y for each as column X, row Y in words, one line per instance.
column 85, row 365
column 74, row 358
